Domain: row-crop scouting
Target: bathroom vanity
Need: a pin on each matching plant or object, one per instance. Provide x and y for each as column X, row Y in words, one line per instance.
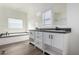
column 54, row 41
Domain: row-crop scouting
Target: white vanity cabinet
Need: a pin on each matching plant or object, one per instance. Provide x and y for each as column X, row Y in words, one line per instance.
column 55, row 43
column 52, row 43
column 60, row 42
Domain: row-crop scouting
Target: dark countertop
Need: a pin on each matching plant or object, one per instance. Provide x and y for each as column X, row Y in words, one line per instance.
column 62, row 31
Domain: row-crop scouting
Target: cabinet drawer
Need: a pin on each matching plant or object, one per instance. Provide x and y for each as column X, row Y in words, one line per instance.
column 32, row 34
column 38, row 36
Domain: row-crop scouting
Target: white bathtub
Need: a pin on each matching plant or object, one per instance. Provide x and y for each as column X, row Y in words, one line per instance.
column 14, row 39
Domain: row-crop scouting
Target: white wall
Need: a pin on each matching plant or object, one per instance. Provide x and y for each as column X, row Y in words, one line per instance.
column 36, row 21
column 6, row 13
column 73, row 22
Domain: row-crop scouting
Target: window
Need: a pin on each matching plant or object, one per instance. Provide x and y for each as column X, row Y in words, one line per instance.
column 47, row 17
column 15, row 23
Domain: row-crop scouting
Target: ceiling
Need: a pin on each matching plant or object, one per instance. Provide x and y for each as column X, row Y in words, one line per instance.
column 23, row 6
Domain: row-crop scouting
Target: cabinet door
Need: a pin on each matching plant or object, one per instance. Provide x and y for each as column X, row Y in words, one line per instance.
column 47, row 43
column 38, row 39
column 58, row 41
column 47, row 39
column 38, row 36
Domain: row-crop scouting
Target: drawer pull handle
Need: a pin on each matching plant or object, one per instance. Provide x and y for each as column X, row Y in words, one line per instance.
column 30, row 33
column 51, row 36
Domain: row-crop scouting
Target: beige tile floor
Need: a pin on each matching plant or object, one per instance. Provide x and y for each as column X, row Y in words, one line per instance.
column 20, row 48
